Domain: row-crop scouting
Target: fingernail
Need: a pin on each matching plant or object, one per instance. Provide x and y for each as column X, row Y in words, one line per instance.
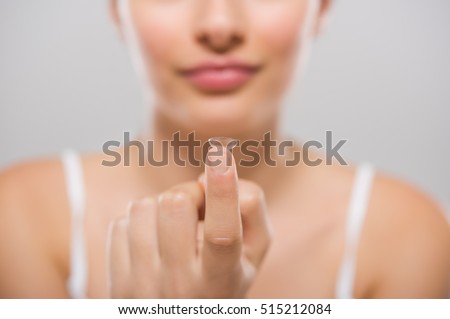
column 218, row 162
column 220, row 158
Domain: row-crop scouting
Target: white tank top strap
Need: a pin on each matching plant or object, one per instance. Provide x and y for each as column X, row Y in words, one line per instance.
column 360, row 196
column 73, row 171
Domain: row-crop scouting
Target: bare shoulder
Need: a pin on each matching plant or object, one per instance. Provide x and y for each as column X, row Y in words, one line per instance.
column 32, row 190
column 406, row 241
column 33, row 228
column 35, row 225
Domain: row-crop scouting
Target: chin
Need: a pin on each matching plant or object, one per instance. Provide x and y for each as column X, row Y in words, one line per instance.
column 223, row 116
column 231, row 114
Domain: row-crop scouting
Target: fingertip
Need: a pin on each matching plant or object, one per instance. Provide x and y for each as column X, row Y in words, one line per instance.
column 220, row 169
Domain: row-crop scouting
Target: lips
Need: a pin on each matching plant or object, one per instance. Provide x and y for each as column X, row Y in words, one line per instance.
column 219, row 77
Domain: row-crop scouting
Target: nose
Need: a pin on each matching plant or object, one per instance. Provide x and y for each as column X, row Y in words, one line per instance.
column 219, row 26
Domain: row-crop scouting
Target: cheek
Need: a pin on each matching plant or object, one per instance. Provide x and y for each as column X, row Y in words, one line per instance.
column 279, row 27
column 157, row 32
column 281, row 32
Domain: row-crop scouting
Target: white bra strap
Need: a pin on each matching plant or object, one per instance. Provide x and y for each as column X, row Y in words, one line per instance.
column 362, row 188
column 73, row 172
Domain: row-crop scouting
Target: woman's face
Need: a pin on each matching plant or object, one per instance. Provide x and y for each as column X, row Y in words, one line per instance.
column 221, row 66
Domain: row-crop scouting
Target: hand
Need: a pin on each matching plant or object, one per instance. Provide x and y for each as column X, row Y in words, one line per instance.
column 154, row 252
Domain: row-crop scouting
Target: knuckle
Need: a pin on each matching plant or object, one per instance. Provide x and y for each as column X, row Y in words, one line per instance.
column 252, row 199
column 181, row 195
column 139, row 206
column 138, row 215
column 187, row 190
column 118, row 228
column 226, row 241
column 174, row 200
column 120, row 224
column 257, row 193
column 164, row 200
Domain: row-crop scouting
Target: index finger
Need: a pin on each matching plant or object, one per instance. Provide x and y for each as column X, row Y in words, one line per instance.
column 222, row 226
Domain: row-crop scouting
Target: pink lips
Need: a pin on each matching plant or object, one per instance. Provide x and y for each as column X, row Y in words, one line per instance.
column 219, row 77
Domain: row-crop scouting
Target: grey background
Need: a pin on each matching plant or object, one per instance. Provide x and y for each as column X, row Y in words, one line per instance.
column 379, row 77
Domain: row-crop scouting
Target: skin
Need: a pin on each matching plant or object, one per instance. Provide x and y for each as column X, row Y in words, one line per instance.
column 197, row 232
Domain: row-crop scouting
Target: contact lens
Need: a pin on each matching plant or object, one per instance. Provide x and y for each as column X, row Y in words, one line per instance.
column 221, row 148
column 223, row 142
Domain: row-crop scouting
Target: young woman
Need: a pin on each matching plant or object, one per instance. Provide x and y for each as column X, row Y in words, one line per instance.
column 78, row 228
